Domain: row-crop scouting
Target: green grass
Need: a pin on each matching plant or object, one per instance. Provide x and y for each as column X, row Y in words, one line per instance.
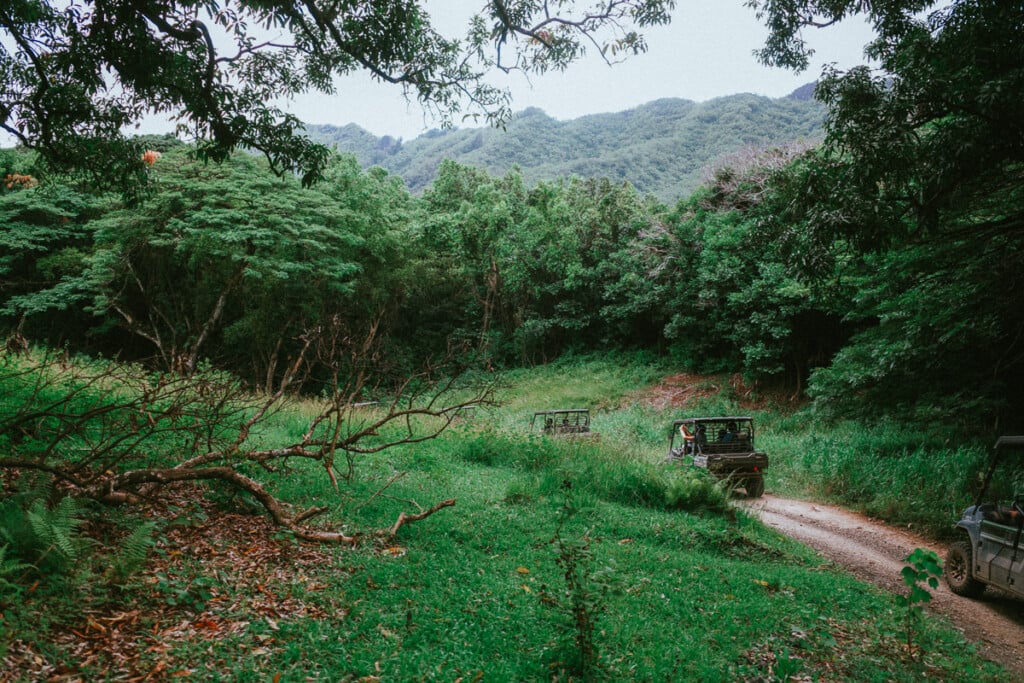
column 682, row 585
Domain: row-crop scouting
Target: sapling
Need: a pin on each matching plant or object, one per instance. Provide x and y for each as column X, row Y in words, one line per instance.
column 925, row 566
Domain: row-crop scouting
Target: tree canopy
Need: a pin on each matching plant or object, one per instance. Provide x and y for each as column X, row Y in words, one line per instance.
column 914, row 201
column 76, row 74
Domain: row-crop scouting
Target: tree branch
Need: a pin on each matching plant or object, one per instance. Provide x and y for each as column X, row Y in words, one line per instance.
column 404, row 518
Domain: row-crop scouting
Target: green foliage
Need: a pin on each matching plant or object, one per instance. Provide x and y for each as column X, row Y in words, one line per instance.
column 179, row 592
column 661, row 148
column 599, row 471
column 540, row 270
column 914, row 182
column 11, row 571
column 923, row 479
column 42, row 536
column 44, row 246
column 96, row 419
column 223, row 262
column 924, row 307
column 924, row 565
column 462, row 593
column 695, row 491
column 41, row 532
column 876, row 274
column 131, row 556
column 734, row 303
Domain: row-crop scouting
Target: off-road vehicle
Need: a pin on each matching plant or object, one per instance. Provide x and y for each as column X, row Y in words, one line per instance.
column 989, row 551
column 722, row 445
column 571, row 422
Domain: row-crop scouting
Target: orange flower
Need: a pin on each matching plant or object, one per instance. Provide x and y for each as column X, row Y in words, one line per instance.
column 17, row 179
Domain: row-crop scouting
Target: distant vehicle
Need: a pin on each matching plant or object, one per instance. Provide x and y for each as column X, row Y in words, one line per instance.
column 724, row 446
column 464, row 413
column 989, row 551
column 571, row 422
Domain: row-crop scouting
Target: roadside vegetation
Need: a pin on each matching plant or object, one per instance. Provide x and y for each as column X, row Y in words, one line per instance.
column 890, row 471
column 560, row 559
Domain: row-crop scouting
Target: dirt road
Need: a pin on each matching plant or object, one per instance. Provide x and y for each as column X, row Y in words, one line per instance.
column 874, row 552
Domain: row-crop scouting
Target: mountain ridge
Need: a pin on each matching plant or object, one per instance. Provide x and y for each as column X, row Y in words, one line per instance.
column 661, row 147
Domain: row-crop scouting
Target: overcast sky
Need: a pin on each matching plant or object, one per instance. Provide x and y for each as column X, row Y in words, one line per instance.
column 706, row 52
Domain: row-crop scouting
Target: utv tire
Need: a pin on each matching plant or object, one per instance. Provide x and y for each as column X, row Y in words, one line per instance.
column 755, row 487
column 958, row 570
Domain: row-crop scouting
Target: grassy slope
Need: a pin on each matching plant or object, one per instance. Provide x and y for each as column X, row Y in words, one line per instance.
column 475, row 591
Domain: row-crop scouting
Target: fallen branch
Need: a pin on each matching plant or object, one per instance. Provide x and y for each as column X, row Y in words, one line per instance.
column 404, row 519
column 134, row 425
column 395, row 477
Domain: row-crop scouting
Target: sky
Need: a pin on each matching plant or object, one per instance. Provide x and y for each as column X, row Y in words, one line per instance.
column 706, row 52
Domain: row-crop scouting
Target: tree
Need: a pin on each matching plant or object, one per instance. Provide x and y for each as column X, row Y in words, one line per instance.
column 76, row 74
column 938, row 127
column 582, row 252
column 787, row 20
column 912, row 145
column 223, row 262
column 917, row 193
column 468, row 224
column 45, row 240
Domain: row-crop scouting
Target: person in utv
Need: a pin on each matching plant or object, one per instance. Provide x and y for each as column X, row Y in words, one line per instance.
column 728, row 435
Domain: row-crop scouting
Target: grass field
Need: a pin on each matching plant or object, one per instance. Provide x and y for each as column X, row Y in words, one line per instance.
column 559, row 561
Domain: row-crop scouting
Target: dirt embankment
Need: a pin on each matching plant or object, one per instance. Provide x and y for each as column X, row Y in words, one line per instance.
column 875, row 552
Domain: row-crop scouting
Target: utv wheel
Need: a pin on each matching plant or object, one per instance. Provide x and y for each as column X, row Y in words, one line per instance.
column 959, row 567
column 755, row 487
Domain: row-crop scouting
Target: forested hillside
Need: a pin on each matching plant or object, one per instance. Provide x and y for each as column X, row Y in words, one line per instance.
column 660, row 148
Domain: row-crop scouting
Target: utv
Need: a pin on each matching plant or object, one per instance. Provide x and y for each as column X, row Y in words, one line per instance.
column 572, row 423
column 989, row 552
column 722, row 445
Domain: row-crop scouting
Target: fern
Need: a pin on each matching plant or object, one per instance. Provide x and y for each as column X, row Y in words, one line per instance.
column 15, row 530
column 42, row 535
column 10, row 568
column 54, row 528
column 133, row 552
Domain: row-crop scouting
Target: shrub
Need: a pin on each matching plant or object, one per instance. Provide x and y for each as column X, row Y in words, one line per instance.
column 695, row 491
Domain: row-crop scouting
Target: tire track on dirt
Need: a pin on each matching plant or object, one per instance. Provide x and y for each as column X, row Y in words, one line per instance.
column 875, row 552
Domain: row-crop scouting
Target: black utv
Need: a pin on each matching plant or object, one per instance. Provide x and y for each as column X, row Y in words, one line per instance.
column 573, row 423
column 722, row 445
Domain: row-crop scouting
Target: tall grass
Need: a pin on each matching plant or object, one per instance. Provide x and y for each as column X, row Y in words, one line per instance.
column 897, row 474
